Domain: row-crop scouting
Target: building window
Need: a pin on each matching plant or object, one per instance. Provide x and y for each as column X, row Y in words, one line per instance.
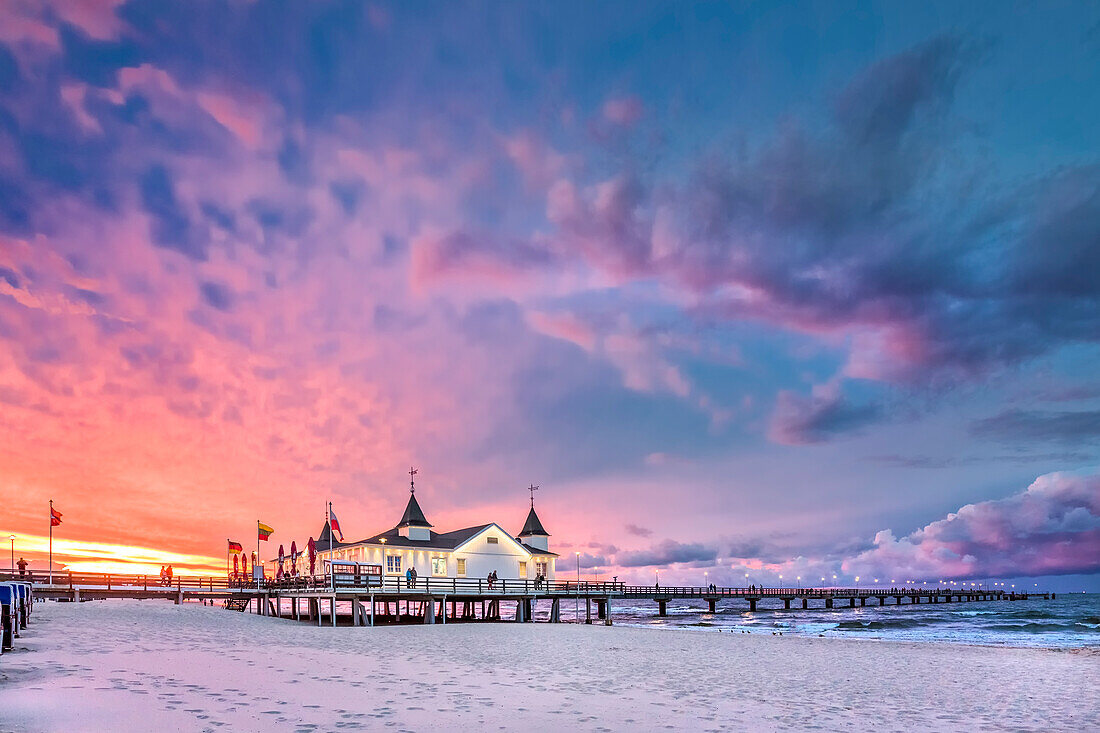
column 540, row 568
column 393, row 564
column 491, row 540
column 522, row 569
column 461, row 566
column 439, row 566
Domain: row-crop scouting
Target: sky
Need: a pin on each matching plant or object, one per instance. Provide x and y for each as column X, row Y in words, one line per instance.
column 752, row 292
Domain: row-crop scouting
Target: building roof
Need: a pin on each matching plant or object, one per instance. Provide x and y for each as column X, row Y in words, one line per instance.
column 533, row 526
column 436, row 540
column 326, row 537
column 413, row 516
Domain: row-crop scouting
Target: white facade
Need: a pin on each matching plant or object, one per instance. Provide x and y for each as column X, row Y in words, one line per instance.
column 490, row 549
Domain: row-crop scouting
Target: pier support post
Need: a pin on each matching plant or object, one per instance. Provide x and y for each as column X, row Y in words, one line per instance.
column 588, row 610
column 787, row 603
column 897, row 600
column 851, row 603
column 519, row 611
column 555, row 611
column 752, row 603
column 805, row 603
column 828, row 603
column 607, row 612
column 710, row 601
column 662, row 608
column 881, row 600
column 863, row 600
column 332, row 607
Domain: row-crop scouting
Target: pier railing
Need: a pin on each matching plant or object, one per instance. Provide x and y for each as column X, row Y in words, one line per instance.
column 112, row 581
column 804, row 592
column 319, row 583
column 435, row 586
column 441, row 586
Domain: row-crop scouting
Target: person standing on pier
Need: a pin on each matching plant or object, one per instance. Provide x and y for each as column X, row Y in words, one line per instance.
column 409, row 578
column 22, row 565
column 168, row 575
column 163, row 575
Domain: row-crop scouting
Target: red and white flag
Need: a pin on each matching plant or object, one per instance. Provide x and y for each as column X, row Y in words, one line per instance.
column 55, row 517
column 334, row 523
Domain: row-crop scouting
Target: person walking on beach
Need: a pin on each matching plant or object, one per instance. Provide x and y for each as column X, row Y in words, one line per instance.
column 22, row 565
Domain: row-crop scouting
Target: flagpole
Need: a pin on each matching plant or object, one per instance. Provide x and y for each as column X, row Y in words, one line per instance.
column 51, row 541
column 257, row 551
column 328, row 521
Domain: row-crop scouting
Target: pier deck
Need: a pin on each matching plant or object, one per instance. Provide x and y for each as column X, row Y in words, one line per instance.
column 432, row 600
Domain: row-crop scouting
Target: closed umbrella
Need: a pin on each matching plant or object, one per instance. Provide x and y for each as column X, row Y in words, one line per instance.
column 294, row 556
column 312, row 547
column 282, row 557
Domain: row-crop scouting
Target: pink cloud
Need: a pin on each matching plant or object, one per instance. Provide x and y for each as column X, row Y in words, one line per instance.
column 624, row 111
column 1051, row 528
column 564, row 326
column 230, row 114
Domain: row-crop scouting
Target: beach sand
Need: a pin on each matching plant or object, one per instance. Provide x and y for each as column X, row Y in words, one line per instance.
column 150, row 665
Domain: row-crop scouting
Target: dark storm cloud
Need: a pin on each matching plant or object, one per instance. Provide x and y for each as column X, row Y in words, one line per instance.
column 1022, row 426
column 171, row 228
column 217, row 295
column 799, row 420
column 667, row 552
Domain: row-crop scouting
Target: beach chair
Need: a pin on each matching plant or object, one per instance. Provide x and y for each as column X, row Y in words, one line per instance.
column 24, row 593
column 8, row 601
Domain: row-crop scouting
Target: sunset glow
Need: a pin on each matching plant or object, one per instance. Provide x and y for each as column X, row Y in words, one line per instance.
column 760, row 299
column 100, row 557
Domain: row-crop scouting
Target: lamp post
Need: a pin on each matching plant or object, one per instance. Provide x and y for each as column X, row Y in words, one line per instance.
column 12, row 538
column 706, row 579
column 577, row 601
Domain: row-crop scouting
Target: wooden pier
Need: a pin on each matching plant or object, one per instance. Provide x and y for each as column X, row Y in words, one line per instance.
column 322, row 599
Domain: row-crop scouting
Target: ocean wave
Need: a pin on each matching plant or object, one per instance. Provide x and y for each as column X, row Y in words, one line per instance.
column 874, row 625
column 1031, row 627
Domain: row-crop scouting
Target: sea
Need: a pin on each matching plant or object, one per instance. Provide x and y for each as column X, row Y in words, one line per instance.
column 1069, row 621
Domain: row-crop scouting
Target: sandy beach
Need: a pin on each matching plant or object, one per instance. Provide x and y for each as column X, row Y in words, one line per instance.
column 134, row 665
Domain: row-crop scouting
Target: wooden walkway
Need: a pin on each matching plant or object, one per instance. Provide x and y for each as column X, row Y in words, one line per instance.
column 370, row 600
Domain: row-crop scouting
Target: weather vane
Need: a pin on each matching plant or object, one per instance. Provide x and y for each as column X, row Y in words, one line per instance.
column 532, row 488
column 412, row 485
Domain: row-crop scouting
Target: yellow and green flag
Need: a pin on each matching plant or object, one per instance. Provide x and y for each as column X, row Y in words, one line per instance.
column 264, row 530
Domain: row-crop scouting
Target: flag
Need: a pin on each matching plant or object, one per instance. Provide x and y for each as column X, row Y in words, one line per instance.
column 264, row 530
column 235, row 547
column 55, row 517
column 333, row 522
